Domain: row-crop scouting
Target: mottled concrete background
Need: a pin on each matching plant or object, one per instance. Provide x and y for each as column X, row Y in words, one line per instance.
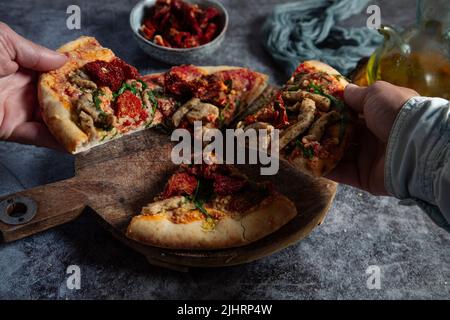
column 360, row 230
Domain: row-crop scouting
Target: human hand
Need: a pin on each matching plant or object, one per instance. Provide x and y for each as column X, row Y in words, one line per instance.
column 20, row 60
column 378, row 107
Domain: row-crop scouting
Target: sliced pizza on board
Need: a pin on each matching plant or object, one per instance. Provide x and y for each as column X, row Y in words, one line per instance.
column 315, row 125
column 207, row 207
column 96, row 97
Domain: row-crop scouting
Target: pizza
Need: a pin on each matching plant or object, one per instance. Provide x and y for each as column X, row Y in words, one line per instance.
column 315, row 125
column 213, row 95
column 97, row 97
column 94, row 97
column 207, row 207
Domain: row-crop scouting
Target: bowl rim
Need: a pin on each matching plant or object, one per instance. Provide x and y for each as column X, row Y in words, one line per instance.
column 181, row 50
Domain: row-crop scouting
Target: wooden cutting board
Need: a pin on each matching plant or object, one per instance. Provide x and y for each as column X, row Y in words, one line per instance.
column 117, row 179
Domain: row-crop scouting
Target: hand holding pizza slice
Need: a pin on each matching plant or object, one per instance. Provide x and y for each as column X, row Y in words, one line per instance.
column 310, row 112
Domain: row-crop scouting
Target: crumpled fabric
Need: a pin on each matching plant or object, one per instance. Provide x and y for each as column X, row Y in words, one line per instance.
column 417, row 165
column 306, row 30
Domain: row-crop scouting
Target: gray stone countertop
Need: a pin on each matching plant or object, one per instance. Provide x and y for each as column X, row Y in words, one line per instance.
column 361, row 230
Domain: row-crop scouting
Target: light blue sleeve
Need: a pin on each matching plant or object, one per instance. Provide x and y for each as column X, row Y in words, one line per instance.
column 417, row 167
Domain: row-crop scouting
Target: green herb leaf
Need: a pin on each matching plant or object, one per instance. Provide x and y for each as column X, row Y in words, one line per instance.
column 229, row 84
column 307, row 152
column 200, row 197
column 316, row 89
column 97, row 100
column 221, row 113
column 125, row 86
column 144, row 85
column 152, row 96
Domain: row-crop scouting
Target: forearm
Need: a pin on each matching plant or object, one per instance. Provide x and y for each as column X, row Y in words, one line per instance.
column 418, row 157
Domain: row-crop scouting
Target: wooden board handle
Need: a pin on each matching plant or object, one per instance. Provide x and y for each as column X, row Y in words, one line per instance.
column 55, row 204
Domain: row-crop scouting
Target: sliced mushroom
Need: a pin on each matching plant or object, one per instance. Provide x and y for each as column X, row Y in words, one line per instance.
column 80, row 79
column 203, row 112
column 317, row 130
column 295, row 107
column 305, row 120
column 87, row 125
column 265, row 140
column 183, row 110
column 322, row 103
column 101, row 119
column 167, row 204
column 195, row 110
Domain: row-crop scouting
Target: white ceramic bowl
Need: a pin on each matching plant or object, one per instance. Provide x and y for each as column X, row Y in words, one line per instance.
column 176, row 56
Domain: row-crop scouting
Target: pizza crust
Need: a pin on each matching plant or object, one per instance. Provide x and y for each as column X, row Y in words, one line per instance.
column 156, row 230
column 57, row 110
column 320, row 66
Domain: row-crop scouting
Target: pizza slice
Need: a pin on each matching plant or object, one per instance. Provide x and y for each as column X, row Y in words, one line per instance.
column 212, row 95
column 315, row 125
column 211, row 207
column 94, row 97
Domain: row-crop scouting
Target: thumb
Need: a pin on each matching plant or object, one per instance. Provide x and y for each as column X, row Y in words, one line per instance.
column 355, row 97
column 29, row 55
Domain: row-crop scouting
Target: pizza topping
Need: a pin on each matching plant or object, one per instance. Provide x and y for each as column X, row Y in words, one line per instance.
column 87, row 125
column 305, row 120
column 93, row 106
column 264, row 141
column 323, row 103
column 224, row 89
column 317, row 130
column 180, row 184
column 110, row 74
column 224, row 185
column 168, row 204
column 129, row 109
column 195, row 110
column 81, row 79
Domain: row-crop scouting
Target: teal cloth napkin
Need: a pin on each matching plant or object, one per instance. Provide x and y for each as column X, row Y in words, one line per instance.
column 306, row 30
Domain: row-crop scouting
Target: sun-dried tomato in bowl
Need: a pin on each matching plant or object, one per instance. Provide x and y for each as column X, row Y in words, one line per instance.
column 179, row 24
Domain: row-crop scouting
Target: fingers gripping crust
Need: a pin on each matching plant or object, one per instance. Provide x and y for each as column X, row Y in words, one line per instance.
column 57, row 108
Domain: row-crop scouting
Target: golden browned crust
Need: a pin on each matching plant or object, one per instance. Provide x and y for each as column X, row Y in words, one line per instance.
column 229, row 232
column 320, row 66
column 57, row 109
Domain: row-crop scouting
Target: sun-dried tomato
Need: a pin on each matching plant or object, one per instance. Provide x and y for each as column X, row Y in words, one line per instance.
column 178, row 80
column 166, row 106
column 180, row 184
column 224, row 185
column 282, row 118
column 129, row 71
column 178, row 24
column 105, row 74
column 110, row 74
column 206, row 171
column 128, row 105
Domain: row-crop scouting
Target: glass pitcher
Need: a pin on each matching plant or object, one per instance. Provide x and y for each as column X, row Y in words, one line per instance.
column 418, row 58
